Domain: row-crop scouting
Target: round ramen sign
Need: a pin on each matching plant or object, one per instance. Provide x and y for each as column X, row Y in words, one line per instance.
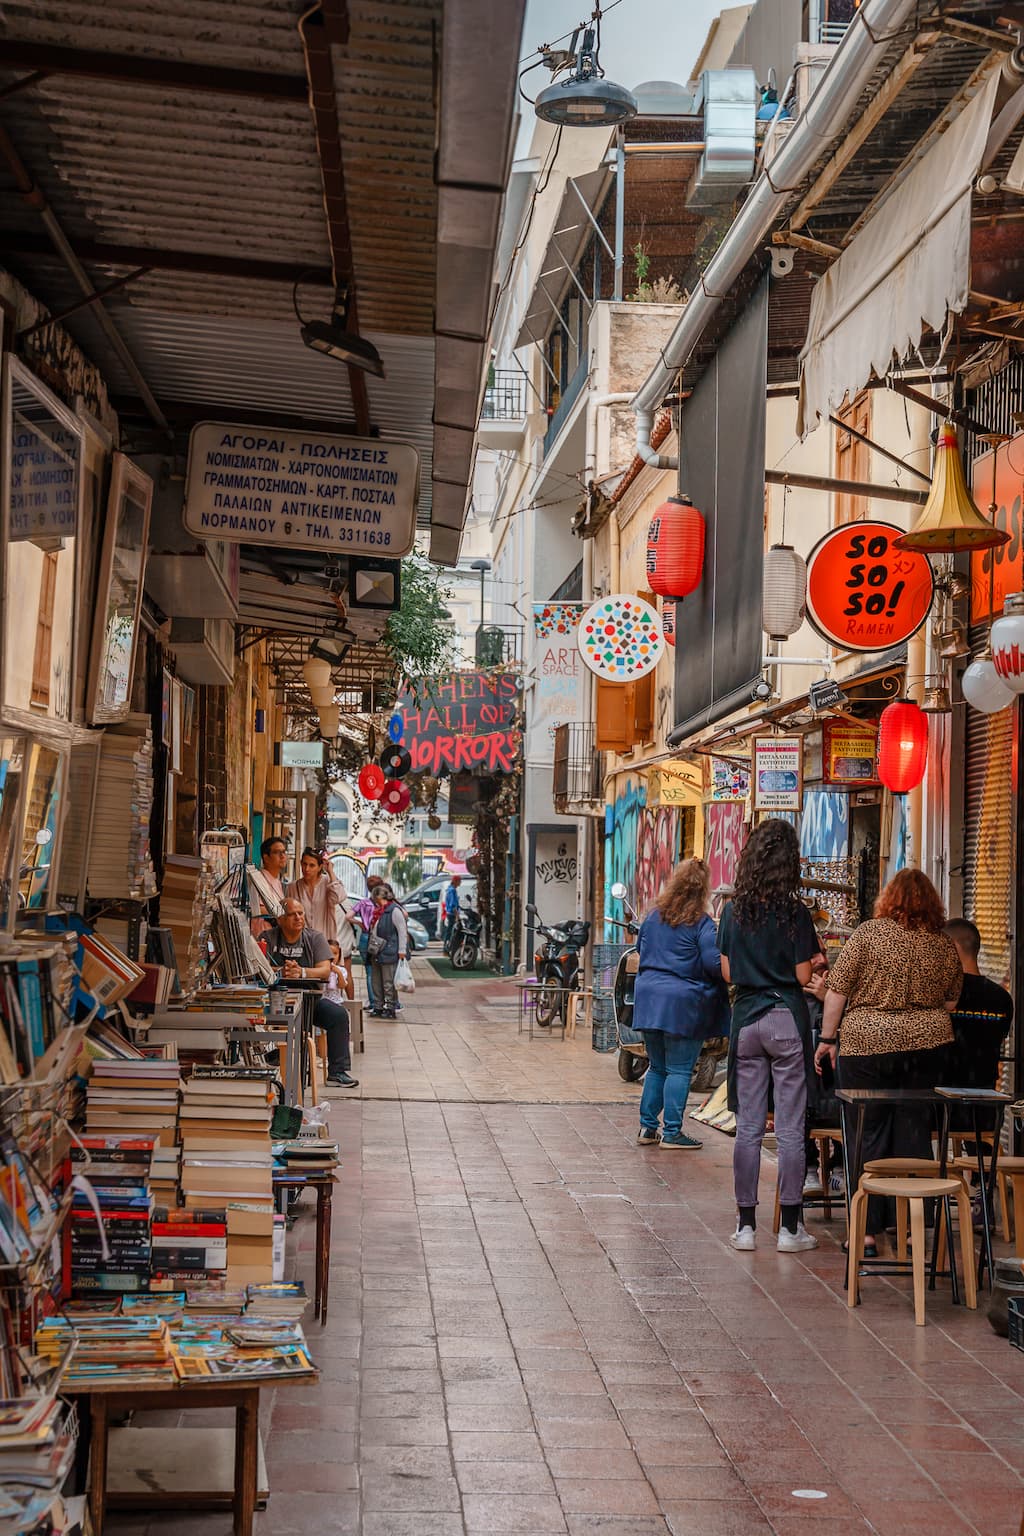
column 862, row 593
column 620, row 638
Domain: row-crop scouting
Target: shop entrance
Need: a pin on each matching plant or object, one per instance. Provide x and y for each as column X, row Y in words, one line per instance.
column 291, row 814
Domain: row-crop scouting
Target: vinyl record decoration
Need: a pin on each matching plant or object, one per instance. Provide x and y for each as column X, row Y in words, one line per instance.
column 619, row 638
column 395, row 762
column 396, row 728
column 371, row 781
column 395, row 798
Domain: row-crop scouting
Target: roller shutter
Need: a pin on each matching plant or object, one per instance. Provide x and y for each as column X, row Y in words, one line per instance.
column 989, row 841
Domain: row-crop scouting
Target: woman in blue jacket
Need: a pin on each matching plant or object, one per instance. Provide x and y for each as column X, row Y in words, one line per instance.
column 679, row 1000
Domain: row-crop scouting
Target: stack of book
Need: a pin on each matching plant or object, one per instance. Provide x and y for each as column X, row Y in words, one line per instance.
column 126, row 1351
column 183, row 883
column 37, row 1445
column 107, row 974
column 250, row 1227
column 279, row 1299
column 134, row 1097
column 308, row 1154
column 225, row 1138
column 117, row 1168
column 119, row 855
column 165, row 1174
column 188, row 1247
column 155, row 988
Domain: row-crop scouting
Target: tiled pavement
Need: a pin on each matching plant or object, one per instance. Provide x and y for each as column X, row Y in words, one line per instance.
column 538, row 1327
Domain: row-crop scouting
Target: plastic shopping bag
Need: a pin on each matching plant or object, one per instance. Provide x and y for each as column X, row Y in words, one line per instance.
column 404, row 977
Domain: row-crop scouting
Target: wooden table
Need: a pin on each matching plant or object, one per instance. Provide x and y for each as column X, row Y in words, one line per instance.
column 103, row 1403
column 323, row 1182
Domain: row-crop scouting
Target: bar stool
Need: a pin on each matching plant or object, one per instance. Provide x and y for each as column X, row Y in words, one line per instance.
column 824, row 1138
column 906, row 1168
column 912, row 1193
column 1010, row 1180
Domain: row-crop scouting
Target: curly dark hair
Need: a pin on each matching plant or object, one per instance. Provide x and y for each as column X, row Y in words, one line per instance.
column 683, row 899
column 911, row 900
column 768, row 877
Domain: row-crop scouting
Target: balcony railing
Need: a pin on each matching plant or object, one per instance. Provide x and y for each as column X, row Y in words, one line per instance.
column 570, row 395
column 499, row 645
column 578, row 781
column 505, row 397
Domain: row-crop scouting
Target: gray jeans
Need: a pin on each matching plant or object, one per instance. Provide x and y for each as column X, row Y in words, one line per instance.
column 385, row 995
column 770, row 1050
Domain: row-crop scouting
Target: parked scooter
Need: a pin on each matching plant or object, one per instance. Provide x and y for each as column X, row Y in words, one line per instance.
column 463, row 943
column 558, row 967
column 632, row 1051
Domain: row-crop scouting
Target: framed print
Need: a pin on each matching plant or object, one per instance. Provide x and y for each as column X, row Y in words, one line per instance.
column 849, row 752
column 119, row 592
column 41, row 491
column 778, row 773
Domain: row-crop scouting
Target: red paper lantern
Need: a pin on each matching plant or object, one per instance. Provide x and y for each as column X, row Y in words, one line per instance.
column 675, row 548
column 902, row 746
column 668, row 621
column 371, row 781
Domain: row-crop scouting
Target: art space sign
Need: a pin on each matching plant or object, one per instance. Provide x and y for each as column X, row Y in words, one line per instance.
column 305, row 490
column 557, row 692
column 465, row 722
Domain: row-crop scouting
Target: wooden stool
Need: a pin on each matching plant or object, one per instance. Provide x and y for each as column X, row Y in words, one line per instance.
column 906, row 1168
column 824, row 1138
column 913, row 1193
column 1010, row 1182
column 586, row 997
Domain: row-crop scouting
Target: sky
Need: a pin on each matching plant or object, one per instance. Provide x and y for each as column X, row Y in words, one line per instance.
column 640, row 40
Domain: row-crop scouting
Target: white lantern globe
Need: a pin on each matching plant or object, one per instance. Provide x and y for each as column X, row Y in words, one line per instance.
column 983, row 688
column 316, row 672
column 784, row 600
column 1006, row 641
column 322, row 696
column 330, row 719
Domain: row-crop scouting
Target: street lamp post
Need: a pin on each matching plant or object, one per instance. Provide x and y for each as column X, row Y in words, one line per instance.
column 483, row 566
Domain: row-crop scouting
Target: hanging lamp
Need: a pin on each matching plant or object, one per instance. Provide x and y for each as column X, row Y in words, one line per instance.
column 330, row 719
column 1007, row 642
column 316, row 673
column 675, row 548
column 784, row 599
column 584, row 99
column 950, row 520
column 902, row 746
column 982, row 686
column 321, row 697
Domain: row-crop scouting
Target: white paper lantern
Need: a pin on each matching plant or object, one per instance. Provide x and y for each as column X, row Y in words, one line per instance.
column 785, row 592
column 322, row 696
column 330, row 719
column 1007, row 643
column 983, row 688
column 316, row 672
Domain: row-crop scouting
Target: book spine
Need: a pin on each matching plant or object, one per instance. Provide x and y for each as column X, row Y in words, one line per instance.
column 178, row 1231
column 194, row 1258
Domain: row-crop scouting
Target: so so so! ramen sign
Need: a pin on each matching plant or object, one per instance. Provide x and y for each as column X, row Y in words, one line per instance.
column 864, row 594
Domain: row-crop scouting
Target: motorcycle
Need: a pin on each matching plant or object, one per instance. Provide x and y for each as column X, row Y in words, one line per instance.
column 463, row 943
column 558, row 967
column 632, row 1051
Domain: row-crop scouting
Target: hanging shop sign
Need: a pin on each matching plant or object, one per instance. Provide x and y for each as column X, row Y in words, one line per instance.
column 1002, row 568
column 674, row 784
column 466, row 722
column 301, row 490
column 558, row 690
column 863, row 594
column 849, row 752
column 778, row 773
column 299, row 754
column 620, row 638
column 826, row 695
column 726, row 781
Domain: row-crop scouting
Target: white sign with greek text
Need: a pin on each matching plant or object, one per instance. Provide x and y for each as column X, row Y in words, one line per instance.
column 305, row 490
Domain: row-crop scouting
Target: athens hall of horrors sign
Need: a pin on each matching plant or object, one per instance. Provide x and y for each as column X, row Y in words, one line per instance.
column 465, row 722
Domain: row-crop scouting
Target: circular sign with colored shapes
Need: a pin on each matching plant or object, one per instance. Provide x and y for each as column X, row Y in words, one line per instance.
column 371, row 781
column 862, row 593
column 620, row 638
column 395, row 798
column 396, row 728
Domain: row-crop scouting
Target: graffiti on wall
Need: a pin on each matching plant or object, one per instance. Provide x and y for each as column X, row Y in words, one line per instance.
column 622, row 829
column 825, row 825
column 656, row 852
column 725, row 833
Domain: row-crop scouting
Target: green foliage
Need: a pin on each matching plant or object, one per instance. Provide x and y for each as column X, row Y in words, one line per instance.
column 642, row 265
column 418, row 636
column 405, row 871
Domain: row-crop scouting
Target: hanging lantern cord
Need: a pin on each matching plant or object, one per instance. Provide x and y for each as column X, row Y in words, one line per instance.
column 785, row 498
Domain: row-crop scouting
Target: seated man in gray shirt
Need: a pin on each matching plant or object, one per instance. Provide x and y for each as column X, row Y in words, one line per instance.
column 302, row 954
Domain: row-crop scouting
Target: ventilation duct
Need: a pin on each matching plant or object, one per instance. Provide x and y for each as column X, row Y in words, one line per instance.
column 728, row 99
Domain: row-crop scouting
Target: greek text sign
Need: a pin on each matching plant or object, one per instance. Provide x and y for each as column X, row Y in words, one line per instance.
column 778, row 773
column 463, row 723
column 343, row 495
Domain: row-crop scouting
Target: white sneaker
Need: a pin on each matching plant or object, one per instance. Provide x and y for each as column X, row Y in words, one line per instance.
column 796, row 1242
column 744, row 1239
column 812, row 1182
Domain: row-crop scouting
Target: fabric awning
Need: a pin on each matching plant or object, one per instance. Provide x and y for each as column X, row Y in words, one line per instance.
column 571, row 231
column 902, row 275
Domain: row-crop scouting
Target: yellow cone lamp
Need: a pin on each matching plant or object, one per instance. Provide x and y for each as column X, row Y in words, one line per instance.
column 949, row 519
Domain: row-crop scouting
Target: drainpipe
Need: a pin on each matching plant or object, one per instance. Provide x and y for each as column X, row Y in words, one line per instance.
column 816, row 131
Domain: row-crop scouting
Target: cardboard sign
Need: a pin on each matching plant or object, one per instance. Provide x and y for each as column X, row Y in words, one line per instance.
column 778, row 773
column 862, row 593
column 463, row 723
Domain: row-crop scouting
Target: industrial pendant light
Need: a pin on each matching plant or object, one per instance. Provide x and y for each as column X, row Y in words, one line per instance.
column 585, row 99
column 334, row 338
column 949, row 520
column 783, row 602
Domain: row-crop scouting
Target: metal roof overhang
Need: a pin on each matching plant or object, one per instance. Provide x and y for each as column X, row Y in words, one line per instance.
column 572, row 229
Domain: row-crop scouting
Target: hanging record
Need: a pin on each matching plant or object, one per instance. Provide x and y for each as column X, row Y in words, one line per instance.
column 371, row 781
column 395, row 798
column 396, row 728
column 395, row 761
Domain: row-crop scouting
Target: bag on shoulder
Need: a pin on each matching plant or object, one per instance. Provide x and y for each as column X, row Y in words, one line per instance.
column 375, row 944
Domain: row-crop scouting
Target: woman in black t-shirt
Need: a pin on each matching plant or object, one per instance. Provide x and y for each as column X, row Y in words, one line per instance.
column 767, row 942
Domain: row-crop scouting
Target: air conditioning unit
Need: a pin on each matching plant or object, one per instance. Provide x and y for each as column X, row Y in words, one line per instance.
column 205, row 650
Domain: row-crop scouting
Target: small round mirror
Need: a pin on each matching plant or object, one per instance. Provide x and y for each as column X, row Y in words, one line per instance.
column 619, row 891
column 43, row 836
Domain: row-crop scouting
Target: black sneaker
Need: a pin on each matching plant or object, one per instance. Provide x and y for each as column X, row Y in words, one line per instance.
column 343, row 1080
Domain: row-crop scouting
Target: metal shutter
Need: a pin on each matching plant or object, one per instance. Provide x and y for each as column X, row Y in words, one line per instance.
column 990, row 824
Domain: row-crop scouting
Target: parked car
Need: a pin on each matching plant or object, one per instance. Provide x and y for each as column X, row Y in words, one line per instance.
column 423, row 903
column 419, row 938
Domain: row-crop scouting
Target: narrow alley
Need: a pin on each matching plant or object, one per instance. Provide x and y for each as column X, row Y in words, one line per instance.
column 536, row 1326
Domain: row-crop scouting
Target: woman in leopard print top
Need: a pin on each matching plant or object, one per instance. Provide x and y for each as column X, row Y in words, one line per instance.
column 894, row 986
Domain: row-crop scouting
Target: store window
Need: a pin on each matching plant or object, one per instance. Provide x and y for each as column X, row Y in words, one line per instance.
column 853, row 457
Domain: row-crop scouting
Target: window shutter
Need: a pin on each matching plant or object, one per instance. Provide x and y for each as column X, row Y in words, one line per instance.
column 643, row 708
column 614, row 708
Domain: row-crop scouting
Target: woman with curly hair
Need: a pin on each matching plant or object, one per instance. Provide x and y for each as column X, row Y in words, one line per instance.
column 893, row 988
column 679, row 1000
column 767, row 942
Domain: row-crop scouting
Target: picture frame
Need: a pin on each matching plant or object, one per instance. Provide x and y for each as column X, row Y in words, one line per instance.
column 778, row 774
column 122, row 569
